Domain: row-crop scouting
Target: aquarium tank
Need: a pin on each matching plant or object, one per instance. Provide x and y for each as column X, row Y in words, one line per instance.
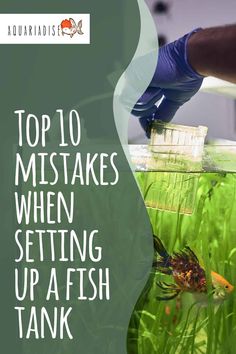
column 189, row 189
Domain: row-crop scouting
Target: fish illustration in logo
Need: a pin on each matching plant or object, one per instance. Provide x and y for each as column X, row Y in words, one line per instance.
column 70, row 27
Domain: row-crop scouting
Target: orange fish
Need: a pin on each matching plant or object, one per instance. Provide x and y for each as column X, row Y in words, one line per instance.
column 188, row 275
column 70, row 28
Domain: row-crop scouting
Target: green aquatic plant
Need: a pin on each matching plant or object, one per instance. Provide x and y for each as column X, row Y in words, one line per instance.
column 182, row 325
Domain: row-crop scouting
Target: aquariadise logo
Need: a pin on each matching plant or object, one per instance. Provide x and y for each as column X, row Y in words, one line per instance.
column 44, row 29
column 70, row 28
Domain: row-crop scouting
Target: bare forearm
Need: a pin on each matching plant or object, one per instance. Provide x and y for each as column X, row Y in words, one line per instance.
column 212, row 52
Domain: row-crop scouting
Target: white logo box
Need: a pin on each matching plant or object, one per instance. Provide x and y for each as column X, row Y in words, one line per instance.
column 44, row 29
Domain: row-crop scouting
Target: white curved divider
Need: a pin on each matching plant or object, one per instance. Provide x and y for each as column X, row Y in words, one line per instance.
column 137, row 76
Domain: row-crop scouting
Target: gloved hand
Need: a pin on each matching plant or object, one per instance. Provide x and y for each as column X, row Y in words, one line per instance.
column 174, row 80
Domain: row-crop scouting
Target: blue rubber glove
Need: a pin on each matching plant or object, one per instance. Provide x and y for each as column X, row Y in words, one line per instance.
column 174, row 81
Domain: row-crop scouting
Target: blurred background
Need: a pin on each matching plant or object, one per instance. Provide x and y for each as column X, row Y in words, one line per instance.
column 217, row 110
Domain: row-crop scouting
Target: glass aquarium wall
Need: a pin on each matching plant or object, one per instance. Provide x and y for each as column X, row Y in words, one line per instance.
column 188, row 304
